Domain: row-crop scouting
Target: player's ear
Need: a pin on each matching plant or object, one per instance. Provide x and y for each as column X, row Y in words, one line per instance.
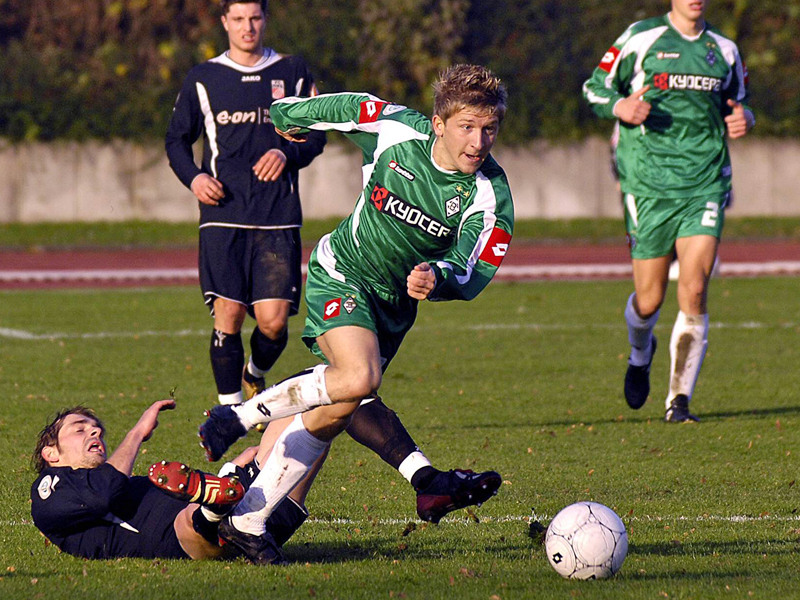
column 50, row 454
column 438, row 125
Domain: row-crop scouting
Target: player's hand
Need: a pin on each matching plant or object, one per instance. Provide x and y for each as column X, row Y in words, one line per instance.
column 421, row 281
column 270, row 166
column 207, row 189
column 737, row 122
column 634, row 109
column 292, row 135
column 149, row 420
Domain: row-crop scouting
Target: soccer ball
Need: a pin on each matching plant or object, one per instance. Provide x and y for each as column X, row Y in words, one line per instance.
column 586, row 540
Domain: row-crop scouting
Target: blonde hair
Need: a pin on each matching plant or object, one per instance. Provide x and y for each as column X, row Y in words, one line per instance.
column 469, row 86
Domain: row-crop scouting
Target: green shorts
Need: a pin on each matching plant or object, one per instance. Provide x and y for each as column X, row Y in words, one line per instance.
column 653, row 224
column 333, row 302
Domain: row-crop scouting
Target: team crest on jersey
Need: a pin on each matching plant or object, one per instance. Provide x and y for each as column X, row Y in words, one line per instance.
column 452, row 206
column 394, row 166
column 711, row 57
column 278, row 89
column 46, row 486
column 332, row 309
column 350, row 304
column 495, row 250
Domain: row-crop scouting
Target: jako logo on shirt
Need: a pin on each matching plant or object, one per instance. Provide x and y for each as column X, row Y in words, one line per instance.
column 332, row 309
column 496, row 248
column 696, row 83
column 394, row 206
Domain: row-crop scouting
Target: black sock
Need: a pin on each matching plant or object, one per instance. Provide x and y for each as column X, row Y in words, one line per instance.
column 377, row 427
column 265, row 351
column 227, row 361
column 204, row 527
column 423, row 477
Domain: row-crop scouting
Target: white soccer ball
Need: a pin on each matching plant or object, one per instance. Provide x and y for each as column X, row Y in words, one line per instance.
column 586, row 540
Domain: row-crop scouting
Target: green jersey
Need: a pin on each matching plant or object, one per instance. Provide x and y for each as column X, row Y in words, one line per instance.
column 680, row 150
column 410, row 210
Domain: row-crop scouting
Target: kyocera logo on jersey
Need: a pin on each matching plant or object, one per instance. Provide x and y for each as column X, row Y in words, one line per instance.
column 609, row 58
column 237, row 117
column 694, row 83
column 394, row 206
column 401, row 171
column 333, row 308
column 495, row 250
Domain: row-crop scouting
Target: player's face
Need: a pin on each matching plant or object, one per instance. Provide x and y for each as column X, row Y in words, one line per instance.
column 245, row 23
column 80, row 444
column 689, row 10
column 464, row 141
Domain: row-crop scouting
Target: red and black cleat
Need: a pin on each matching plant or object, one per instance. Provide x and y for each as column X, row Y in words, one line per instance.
column 182, row 482
column 455, row 489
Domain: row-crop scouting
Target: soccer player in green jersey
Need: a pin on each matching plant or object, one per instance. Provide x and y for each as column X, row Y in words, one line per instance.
column 677, row 87
column 434, row 221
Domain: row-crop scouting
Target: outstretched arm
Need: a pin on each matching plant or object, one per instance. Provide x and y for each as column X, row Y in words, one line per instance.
column 125, row 455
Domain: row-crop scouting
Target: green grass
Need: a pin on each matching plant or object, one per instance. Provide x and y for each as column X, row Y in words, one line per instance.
column 169, row 235
column 526, row 380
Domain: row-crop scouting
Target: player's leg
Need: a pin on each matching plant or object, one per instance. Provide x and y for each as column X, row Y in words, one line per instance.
column 267, row 342
column 226, row 349
column 379, row 428
column 275, row 258
column 651, row 251
column 689, row 338
column 224, row 286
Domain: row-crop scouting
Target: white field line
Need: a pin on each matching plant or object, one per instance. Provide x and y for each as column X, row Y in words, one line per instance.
column 543, row 518
column 21, row 334
column 516, row 272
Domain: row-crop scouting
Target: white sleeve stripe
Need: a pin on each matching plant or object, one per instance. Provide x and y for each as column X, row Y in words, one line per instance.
column 210, row 125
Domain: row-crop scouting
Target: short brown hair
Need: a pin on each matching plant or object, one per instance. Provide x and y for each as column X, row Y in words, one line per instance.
column 462, row 86
column 49, row 435
column 225, row 5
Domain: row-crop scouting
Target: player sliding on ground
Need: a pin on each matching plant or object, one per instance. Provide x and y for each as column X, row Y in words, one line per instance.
column 434, row 221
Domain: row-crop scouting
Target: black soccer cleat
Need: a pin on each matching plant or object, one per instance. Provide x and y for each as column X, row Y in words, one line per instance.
column 258, row 549
column 451, row 490
column 678, row 411
column 221, row 429
column 637, row 381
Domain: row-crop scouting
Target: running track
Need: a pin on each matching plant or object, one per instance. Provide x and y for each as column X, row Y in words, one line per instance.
column 524, row 262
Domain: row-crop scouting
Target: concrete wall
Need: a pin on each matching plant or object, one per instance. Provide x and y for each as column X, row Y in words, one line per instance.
column 93, row 181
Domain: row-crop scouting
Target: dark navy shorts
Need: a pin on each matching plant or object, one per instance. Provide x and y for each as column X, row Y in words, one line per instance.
column 250, row 265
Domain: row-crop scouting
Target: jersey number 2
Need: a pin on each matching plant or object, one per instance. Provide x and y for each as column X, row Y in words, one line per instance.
column 710, row 215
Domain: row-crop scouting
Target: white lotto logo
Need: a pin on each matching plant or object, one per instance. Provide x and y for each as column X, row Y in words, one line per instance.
column 372, row 108
column 608, row 57
column 500, row 249
column 331, row 308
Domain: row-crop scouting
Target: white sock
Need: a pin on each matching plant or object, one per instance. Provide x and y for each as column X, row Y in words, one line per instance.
column 294, row 453
column 687, row 349
column 640, row 333
column 253, row 369
column 235, row 398
column 413, row 463
column 294, row 395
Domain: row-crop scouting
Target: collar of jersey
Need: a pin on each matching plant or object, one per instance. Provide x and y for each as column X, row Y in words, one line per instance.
column 268, row 58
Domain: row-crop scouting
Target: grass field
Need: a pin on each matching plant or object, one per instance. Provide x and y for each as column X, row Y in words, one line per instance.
column 526, row 380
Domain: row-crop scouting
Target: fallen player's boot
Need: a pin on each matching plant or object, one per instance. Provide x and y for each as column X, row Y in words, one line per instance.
column 219, row 432
column 258, row 549
column 451, row 490
column 182, row 482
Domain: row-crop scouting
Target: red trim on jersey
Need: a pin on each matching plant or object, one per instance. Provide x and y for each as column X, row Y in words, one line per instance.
column 370, row 111
column 333, row 308
column 496, row 248
column 609, row 58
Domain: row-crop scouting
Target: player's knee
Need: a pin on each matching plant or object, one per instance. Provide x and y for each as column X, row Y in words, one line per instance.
column 363, row 381
column 272, row 328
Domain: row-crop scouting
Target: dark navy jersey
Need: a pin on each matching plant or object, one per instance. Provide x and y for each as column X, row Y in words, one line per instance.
column 102, row 513
column 228, row 104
